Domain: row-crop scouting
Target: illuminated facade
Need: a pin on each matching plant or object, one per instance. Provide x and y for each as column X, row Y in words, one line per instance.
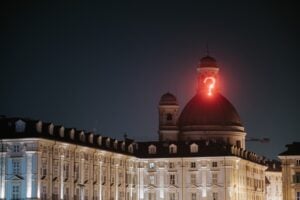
column 200, row 155
column 274, row 180
column 291, row 171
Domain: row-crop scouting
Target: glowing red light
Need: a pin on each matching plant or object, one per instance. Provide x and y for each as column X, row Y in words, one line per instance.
column 211, row 84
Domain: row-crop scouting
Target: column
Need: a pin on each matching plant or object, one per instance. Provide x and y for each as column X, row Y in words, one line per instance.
column 29, row 175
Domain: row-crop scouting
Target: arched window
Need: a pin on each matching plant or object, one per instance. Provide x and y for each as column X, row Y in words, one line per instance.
column 72, row 134
column 82, row 136
column 62, row 132
column 99, row 140
column 172, row 149
column 39, row 126
column 91, row 138
column 194, row 148
column 50, row 129
column 130, row 148
column 152, row 149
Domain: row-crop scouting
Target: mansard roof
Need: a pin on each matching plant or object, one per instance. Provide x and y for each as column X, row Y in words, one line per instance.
column 39, row 129
column 292, row 149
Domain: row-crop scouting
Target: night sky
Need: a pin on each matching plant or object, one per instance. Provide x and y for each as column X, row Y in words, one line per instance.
column 104, row 67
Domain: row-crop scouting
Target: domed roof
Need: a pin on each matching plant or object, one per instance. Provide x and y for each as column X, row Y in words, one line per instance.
column 168, row 99
column 208, row 61
column 209, row 110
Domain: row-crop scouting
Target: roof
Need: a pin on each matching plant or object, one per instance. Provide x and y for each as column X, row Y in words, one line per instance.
column 292, row 149
column 203, row 110
column 273, row 165
column 168, row 99
column 208, row 61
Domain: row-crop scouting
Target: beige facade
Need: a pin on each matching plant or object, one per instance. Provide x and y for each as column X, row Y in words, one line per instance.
column 291, row 172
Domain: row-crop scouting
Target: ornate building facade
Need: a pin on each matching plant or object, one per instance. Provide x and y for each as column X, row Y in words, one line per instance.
column 200, row 155
column 291, row 171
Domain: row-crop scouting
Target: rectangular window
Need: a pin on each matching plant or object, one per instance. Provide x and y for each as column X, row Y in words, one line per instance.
column 66, row 171
column 44, row 193
column 16, row 164
column 298, row 162
column 16, row 148
column 296, row 177
column 193, row 179
column 215, row 179
column 193, row 196
column 151, row 179
column 214, row 164
column 171, row 165
column 215, row 196
column 171, row 196
column 16, row 192
column 298, row 196
column 172, row 179
column 151, row 165
column 193, row 165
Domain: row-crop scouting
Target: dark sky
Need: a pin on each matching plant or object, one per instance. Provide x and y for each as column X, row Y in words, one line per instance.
column 105, row 66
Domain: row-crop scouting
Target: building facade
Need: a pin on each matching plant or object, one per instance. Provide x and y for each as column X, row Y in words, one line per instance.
column 290, row 160
column 274, row 180
column 200, row 155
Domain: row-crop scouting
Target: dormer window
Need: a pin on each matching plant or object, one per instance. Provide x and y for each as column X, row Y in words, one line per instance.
column 62, row 132
column 130, row 148
column 172, row 149
column 16, row 148
column 107, row 142
column 91, row 138
column 99, row 140
column 50, row 129
column 82, row 137
column 194, row 148
column 152, row 149
column 20, row 126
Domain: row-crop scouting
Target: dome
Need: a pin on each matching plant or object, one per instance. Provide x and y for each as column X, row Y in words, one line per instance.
column 202, row 110
column 208, row 61
column 168, row 99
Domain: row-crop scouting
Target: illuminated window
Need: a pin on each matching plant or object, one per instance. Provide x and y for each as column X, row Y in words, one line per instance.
column 172, row 179
column 193, row 165
column 16, row 164
column 214, row 164
column 172, row 149
column 151, row 165
column 194, row 148
column 16, row 192
column 215, row 195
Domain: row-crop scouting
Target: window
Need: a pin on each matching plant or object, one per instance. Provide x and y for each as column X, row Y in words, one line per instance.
column 238, row 143
column 151, row 179
column 214, row 178
column 298, row 196
column 66, row 171
column 169, row 117
column 44, row 168
column 16, row 166
column 193, row 165
column 171, row 165
column 16, row 148
column 152, row 149
column 151, row 165
column 214, row 164
column 172, row 149
column 151, row 196
column 193, row 196
column 193, row 179
column 296, row 178
column 172, row 179
column 44, row 193
column 171, row 196
column 215, row 195
column 76, row 171
column 194, row 148
column 16, row 192
column 298, row 162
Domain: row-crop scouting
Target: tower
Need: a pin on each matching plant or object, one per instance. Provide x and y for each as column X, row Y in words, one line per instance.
column 168, row 115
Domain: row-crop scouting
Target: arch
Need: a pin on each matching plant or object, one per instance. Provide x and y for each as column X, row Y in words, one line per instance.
column 172, row 149
column 194, row 148
column 152, row 149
